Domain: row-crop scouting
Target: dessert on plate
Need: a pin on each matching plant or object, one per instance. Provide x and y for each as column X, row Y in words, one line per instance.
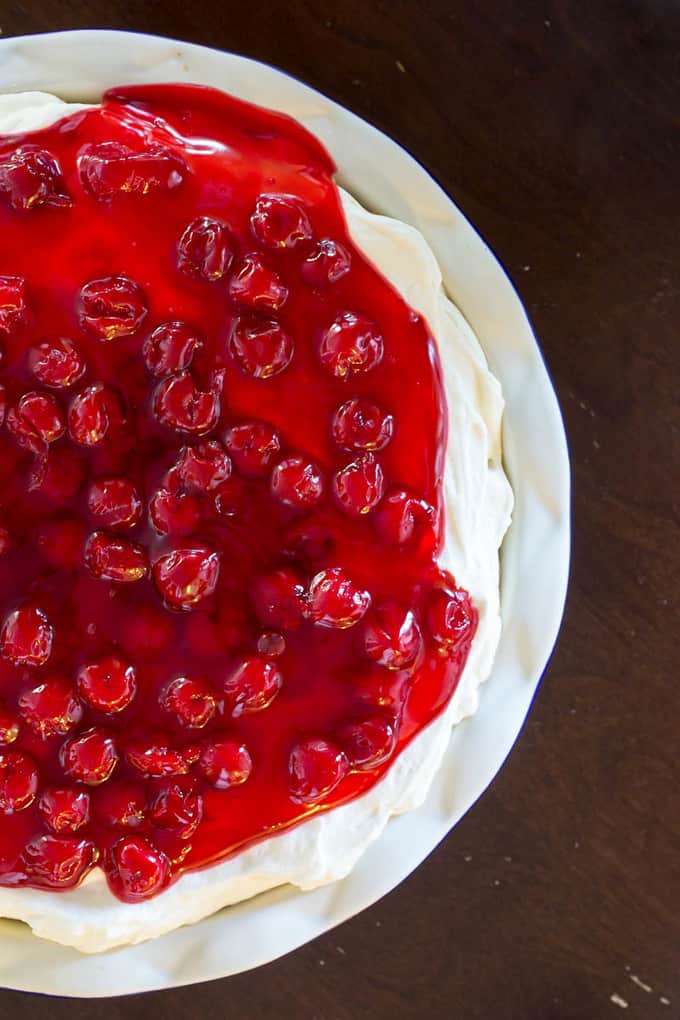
column 252, row 501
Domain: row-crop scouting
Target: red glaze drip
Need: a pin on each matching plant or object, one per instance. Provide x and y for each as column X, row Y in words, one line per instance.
column 166, row 203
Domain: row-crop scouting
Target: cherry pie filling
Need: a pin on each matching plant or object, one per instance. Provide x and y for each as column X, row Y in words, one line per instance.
column 221, row 458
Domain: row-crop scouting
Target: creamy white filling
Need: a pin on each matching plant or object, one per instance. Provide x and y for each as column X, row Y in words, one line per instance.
column 478, row 507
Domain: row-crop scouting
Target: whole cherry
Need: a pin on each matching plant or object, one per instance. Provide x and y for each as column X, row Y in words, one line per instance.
column 315, row 767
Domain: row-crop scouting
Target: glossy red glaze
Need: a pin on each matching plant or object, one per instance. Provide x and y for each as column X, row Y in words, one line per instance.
column 176, row 271
column 279, row 599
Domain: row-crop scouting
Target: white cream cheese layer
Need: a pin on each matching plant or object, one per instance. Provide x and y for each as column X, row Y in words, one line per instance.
column 478, row 508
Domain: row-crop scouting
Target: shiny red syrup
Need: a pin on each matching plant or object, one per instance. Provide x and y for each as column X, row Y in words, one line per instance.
column 221, row 457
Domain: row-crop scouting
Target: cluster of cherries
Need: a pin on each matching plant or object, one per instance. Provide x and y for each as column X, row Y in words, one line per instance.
column 106, row 754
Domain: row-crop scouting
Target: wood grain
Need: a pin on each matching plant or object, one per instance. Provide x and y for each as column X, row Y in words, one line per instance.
column 554, row 125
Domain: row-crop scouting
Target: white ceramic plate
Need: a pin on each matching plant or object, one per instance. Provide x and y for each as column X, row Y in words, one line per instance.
column 535, row 554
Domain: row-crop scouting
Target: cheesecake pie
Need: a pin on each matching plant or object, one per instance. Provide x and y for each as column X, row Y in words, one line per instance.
column 251, row 501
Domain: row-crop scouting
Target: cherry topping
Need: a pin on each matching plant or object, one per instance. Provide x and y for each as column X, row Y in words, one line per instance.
column 41, row 414
column 252, row 685
column 170, row 348
column 392, row 636
column 185, row 577
column 156, row 758
column 30, row 177
column 257, row 286
column 451, row 618
column 179, row 404
column 297, row 482
column 13, row 304
column 190, row 700
column 253, row 447
column 107, row 685
column 140, row 868
column 279, row 221
column 93, row 413
column 109, row 168
column 360, row 485
column 121, row 805
column 315, row 768
column 51, row 708
column 360, row 424
column 178, row 808
column 114, row 502
column 112, row 307
column 26, row 637
column 205, row 249
column 58, row 862
column 350, row 345
column 56, row 362
column 9, row 726
column 18, row 781
column 234, row 515
column 115, row 559
column 368, row 743
column 64, row 809
column 335, row 601
column 278, row 599
column 260, row 347
column 225, row 763
column 174, row 514
column 327, row 262
column 89, row 757
column 203, row 467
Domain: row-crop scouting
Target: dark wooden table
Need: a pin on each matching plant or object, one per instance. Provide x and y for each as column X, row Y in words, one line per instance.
column 554, row 125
